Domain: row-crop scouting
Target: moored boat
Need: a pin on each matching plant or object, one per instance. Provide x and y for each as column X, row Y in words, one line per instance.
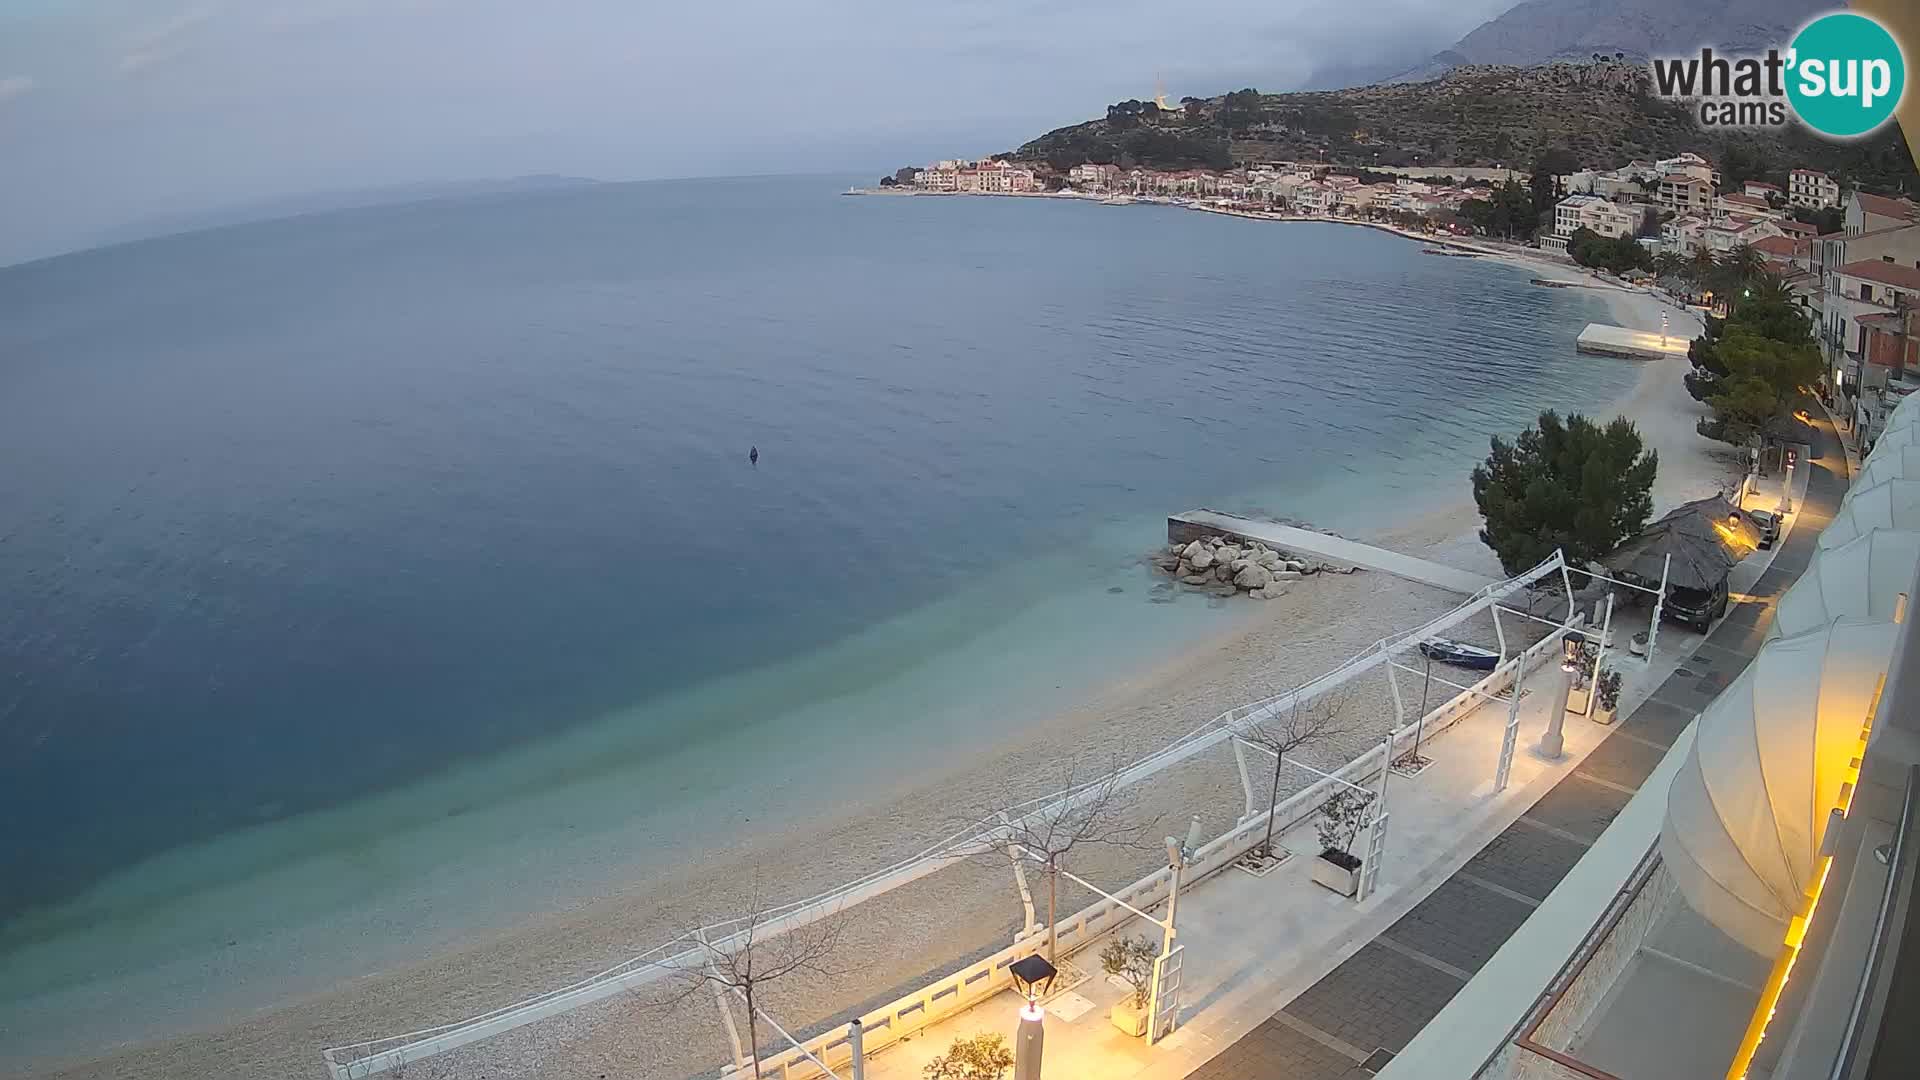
column 1459, row 654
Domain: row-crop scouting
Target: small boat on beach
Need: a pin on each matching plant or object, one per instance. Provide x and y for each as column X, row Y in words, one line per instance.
column 1117, row 200
column 1459, row 654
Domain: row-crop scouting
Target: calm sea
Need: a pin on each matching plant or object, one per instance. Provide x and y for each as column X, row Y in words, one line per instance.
column 313, row 514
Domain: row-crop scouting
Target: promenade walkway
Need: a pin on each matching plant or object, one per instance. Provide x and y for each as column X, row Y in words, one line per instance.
column 1351, row 1022
column 1337, row 549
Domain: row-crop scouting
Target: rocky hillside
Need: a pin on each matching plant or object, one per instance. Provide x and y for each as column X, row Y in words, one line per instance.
column 1540, row 31
column 1584, row 114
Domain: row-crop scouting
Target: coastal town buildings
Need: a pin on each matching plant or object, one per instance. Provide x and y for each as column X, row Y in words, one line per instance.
column 1684, row 193
column 1094, row 177
column 996, row 176
column 1865, row 276
column 1603, row 216
column 1812, row 189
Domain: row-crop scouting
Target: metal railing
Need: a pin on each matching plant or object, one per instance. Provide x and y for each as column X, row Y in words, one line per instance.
column 353, row 1061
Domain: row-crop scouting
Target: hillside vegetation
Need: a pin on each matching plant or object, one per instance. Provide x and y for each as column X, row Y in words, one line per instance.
column 1596, row 114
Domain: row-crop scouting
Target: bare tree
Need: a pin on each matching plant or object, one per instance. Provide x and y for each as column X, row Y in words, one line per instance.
column 1305, row 721
column 1089, row 813
column 758, row 953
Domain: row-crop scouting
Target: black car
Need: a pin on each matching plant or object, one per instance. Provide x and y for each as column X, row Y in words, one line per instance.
column 1696, row 607
column 1768, row 526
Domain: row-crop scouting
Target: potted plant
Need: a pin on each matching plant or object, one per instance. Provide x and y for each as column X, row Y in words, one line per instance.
column 1341, row 818
column 1131, row 959
column 983, row 1057
column 1608, row 688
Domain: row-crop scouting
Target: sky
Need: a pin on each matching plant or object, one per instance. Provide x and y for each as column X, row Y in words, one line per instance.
column 112, row 111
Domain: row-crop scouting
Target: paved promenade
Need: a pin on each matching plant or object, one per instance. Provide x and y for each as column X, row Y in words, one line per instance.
column 1351, row 1022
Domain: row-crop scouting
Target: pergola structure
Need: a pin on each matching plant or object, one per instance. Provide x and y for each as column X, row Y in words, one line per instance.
column 365, row 1059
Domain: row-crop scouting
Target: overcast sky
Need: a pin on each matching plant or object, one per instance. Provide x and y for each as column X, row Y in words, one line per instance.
column 115, row 110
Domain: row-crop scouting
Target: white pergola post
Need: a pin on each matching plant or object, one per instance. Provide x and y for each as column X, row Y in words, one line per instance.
column 1659, row 601
column 1500, row 632
column 1246, row 781
column 1026, row 892
column 726, row 1010
column 1399, row 706
column 1606, row 627
column 1504, row 770
column 1376, row 849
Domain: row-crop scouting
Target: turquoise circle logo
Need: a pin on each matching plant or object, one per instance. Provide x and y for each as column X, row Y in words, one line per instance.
column 1847, row 75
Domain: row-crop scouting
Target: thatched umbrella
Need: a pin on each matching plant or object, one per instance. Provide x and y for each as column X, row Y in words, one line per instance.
column 1705, row 537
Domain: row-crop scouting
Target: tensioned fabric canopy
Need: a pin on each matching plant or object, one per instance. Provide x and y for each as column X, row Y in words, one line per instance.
column 1904, row 413
column 1750, row 804
column 1899, row 463
column 1862, row 578
column 1890, row 504
column 1895, row 438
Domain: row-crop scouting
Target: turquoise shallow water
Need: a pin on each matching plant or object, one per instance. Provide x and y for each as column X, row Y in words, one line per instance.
column 412, row 548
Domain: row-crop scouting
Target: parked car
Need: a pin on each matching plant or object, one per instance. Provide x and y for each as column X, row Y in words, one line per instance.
column 1696, row 607
column 1767, row 525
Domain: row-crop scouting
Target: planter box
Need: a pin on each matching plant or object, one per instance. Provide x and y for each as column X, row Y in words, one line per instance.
column 1129, row 1019
column 1602, row 715
column 1577, row 699
column 1334, row 876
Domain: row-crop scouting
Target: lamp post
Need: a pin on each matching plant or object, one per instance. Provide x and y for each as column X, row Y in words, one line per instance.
column 1573, row 648
column 1663, row 331
column 1031, row 975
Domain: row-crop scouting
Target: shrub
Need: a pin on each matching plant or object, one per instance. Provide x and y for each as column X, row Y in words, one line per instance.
column 1131, row 959
column 983, row 1057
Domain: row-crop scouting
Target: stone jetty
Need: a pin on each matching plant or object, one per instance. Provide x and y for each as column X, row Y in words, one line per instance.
column 1226, row 568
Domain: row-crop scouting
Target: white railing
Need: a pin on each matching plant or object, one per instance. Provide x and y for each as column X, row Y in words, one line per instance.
column 967, row 987
column 354, row 1061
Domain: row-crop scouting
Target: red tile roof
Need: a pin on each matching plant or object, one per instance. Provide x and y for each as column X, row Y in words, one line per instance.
column 1882, row 206
column 1801, row 228
column 1784, row 247
column 1754, row 201
column 1761, row 184
column 1905, row 277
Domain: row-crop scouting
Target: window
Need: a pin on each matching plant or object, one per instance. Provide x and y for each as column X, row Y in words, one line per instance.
column 1866, row 291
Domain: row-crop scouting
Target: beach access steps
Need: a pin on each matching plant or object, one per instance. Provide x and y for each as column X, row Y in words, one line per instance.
column 1195, row 524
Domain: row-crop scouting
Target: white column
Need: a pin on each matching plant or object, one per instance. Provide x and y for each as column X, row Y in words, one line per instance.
column 1553, row 744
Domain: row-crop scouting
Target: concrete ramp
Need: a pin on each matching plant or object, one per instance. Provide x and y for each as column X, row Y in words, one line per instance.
column 1193, row 524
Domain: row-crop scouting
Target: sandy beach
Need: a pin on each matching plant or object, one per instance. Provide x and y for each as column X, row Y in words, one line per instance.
column 901, row 939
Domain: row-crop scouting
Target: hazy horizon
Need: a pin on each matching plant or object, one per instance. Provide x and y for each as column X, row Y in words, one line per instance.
column 114, row 111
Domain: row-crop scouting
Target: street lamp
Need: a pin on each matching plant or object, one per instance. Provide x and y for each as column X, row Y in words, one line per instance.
column 1032, row 975
column 1573, row 650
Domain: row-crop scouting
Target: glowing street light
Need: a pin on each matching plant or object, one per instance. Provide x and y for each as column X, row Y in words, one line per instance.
column 1032, row 975
column 1573, row 653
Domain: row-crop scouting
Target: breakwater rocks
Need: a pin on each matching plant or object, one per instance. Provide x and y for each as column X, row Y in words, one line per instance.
column 1225, row 567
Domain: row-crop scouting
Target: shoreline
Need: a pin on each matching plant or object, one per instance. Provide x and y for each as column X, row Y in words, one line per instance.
column 1319, row 623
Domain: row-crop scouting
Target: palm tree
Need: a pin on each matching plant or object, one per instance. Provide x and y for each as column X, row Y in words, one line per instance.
column 1669, row 264
column 1743, row 264
column 1700, row 268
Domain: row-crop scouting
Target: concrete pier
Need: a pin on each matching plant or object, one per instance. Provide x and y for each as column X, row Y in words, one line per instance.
column 1600, row 339
column 1194, row 524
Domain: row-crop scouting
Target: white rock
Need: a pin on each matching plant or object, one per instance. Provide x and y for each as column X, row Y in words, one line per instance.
column 1196, row 579
column 1192, row 549
column 1285, row 575
column 1200, row 560
column 1296, row 566
column 1267, row 558
column 1253, row 577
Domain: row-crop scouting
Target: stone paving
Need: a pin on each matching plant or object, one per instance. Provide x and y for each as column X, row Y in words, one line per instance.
column 1350, row 1023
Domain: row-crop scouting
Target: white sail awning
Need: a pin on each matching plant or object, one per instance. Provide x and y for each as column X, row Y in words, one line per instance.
column 1749, row 806
column 1890, row 504
column 1897, row 463
column 1862, row 579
